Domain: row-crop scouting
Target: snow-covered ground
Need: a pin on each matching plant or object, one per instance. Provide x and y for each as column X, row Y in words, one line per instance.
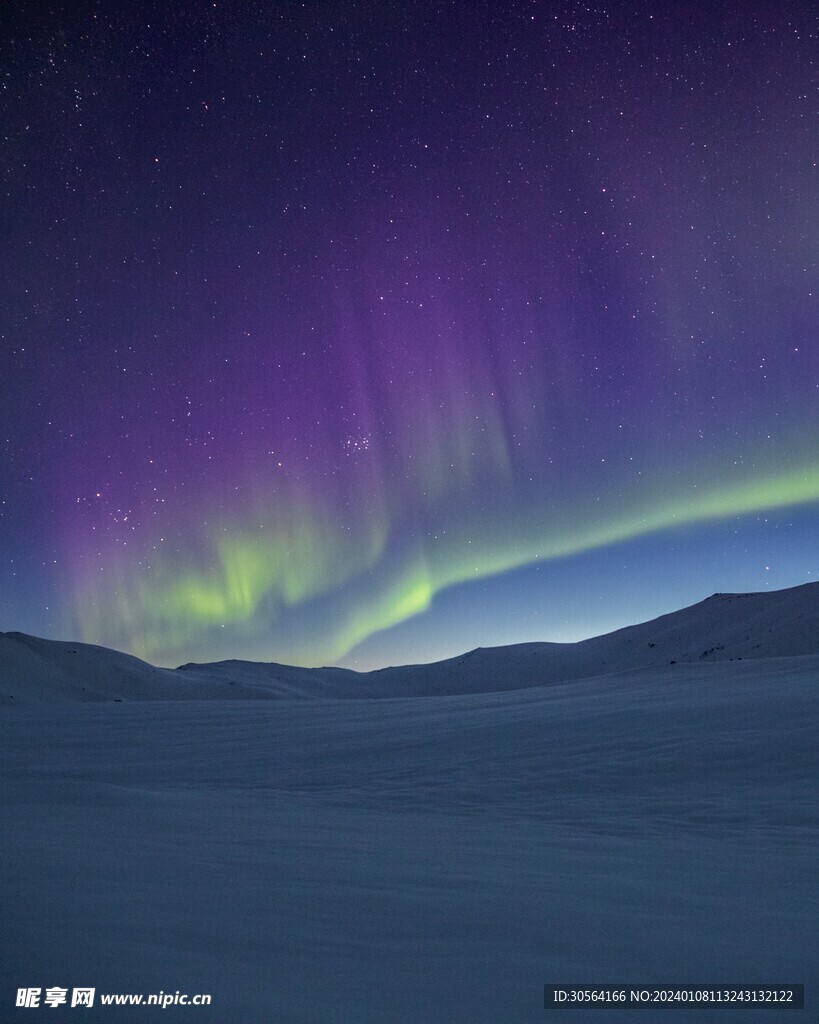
column 426, row 858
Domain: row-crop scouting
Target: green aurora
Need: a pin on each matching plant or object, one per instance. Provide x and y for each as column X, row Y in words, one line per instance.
column 260, row 582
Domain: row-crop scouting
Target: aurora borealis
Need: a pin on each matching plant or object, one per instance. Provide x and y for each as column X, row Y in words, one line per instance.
column 362, row 333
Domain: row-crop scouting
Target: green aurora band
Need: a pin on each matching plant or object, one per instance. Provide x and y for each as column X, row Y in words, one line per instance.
column 347, row 585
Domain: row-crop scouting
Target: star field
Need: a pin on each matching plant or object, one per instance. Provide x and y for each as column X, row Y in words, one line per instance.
column 354, row 333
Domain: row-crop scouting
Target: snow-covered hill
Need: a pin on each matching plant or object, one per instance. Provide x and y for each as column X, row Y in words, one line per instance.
column 725, row 627
column 33, row 669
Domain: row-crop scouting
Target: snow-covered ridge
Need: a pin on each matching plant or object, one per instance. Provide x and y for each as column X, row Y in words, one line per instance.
column 724, row 627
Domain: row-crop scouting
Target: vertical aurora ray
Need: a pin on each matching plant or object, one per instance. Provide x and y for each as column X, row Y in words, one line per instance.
column 425, row 444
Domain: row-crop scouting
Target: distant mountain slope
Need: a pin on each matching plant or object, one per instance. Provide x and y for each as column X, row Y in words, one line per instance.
column 35, row 669
column 32, row 669
column 724, row 627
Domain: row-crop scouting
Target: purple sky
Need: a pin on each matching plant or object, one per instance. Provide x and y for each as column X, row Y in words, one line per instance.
column 358, row 333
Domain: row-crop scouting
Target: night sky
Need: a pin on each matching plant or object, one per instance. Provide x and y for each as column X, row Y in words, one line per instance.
column 367, row 333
